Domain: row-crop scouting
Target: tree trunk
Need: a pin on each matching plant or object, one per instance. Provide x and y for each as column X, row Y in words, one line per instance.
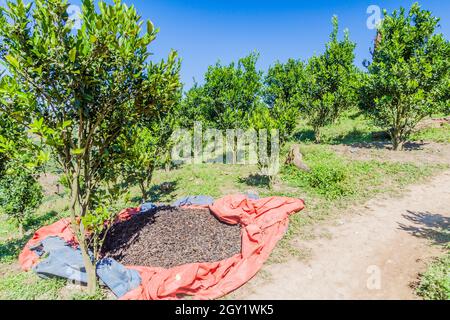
column 90, row 269
column 143, row 191
column 272, row 181
column 397, row 141
column 317, row 135
column 81, row 236
column 21, row 232
column 295, row 157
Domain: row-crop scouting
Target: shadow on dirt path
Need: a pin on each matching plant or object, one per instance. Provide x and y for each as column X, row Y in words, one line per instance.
column 375, row 253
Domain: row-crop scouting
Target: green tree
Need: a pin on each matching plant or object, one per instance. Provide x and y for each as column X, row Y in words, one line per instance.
column 228, row 96
column 284, row 82
column 20, row 195
column 331, row 84
column 409, row 74
column 277, row 113
column 283, row 96
column 148, row 143
column 79, row 90
column 20, row 158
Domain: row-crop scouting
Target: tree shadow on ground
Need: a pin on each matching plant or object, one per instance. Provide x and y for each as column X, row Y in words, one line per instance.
column 434, row 227
column 353, row 137
column 255, row 180
column 387, row 145
column 37, row 222
column 10, row 249
column 163, row 191
column 304, row 135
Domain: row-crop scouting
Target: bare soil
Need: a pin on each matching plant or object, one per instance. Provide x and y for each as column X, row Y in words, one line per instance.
column 169, row 237
column 422, row 153
column 374, row 251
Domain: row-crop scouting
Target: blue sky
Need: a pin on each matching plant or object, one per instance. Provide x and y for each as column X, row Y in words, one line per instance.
column 204, row 32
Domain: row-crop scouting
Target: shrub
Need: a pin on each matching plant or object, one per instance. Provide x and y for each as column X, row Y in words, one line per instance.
column 435, row 283
column 329, row 177
column 20, row 195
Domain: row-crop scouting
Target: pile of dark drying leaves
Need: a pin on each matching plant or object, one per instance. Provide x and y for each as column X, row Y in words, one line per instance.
column 167, row 237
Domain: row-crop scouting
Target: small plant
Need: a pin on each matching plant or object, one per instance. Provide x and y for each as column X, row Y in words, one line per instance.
column 435, row 283
column 330, row 181
column 329, row 176
column 20, row 196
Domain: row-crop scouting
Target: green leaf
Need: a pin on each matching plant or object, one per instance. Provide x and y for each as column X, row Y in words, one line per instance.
column 66, row 124
column 13, row 61
column 76, row 152
column 150, row 27
column 73, row 54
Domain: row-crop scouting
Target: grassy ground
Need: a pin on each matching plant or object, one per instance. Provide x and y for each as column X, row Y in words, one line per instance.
column 334, row 183
column 436, row 134
column 435, row 283
column 354, row 127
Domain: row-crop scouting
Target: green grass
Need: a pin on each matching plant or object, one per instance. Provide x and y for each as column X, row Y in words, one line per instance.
column 53, row 209
column 435, row 283
column 440, row 134
column 352, row 127
column 27, row 286
column 334, row 177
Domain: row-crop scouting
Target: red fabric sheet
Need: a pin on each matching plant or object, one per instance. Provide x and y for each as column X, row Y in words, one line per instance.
column 264, row 222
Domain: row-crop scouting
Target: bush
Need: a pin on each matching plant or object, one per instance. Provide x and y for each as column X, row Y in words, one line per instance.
column 330, row 181
column 20, row 195
column 435, row 283
column 329, row 177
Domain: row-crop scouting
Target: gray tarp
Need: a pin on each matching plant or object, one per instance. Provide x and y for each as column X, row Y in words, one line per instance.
column 62, row 260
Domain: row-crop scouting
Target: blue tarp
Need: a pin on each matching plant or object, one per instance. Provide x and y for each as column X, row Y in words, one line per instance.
column 61, row 260
column 148, row 206
column 194, row 201
column 116, row 277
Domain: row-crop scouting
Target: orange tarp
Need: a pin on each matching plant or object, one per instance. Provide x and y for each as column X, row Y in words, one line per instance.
column 263, row 221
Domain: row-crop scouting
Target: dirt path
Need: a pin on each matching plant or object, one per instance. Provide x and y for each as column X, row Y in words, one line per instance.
column 374, row 254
